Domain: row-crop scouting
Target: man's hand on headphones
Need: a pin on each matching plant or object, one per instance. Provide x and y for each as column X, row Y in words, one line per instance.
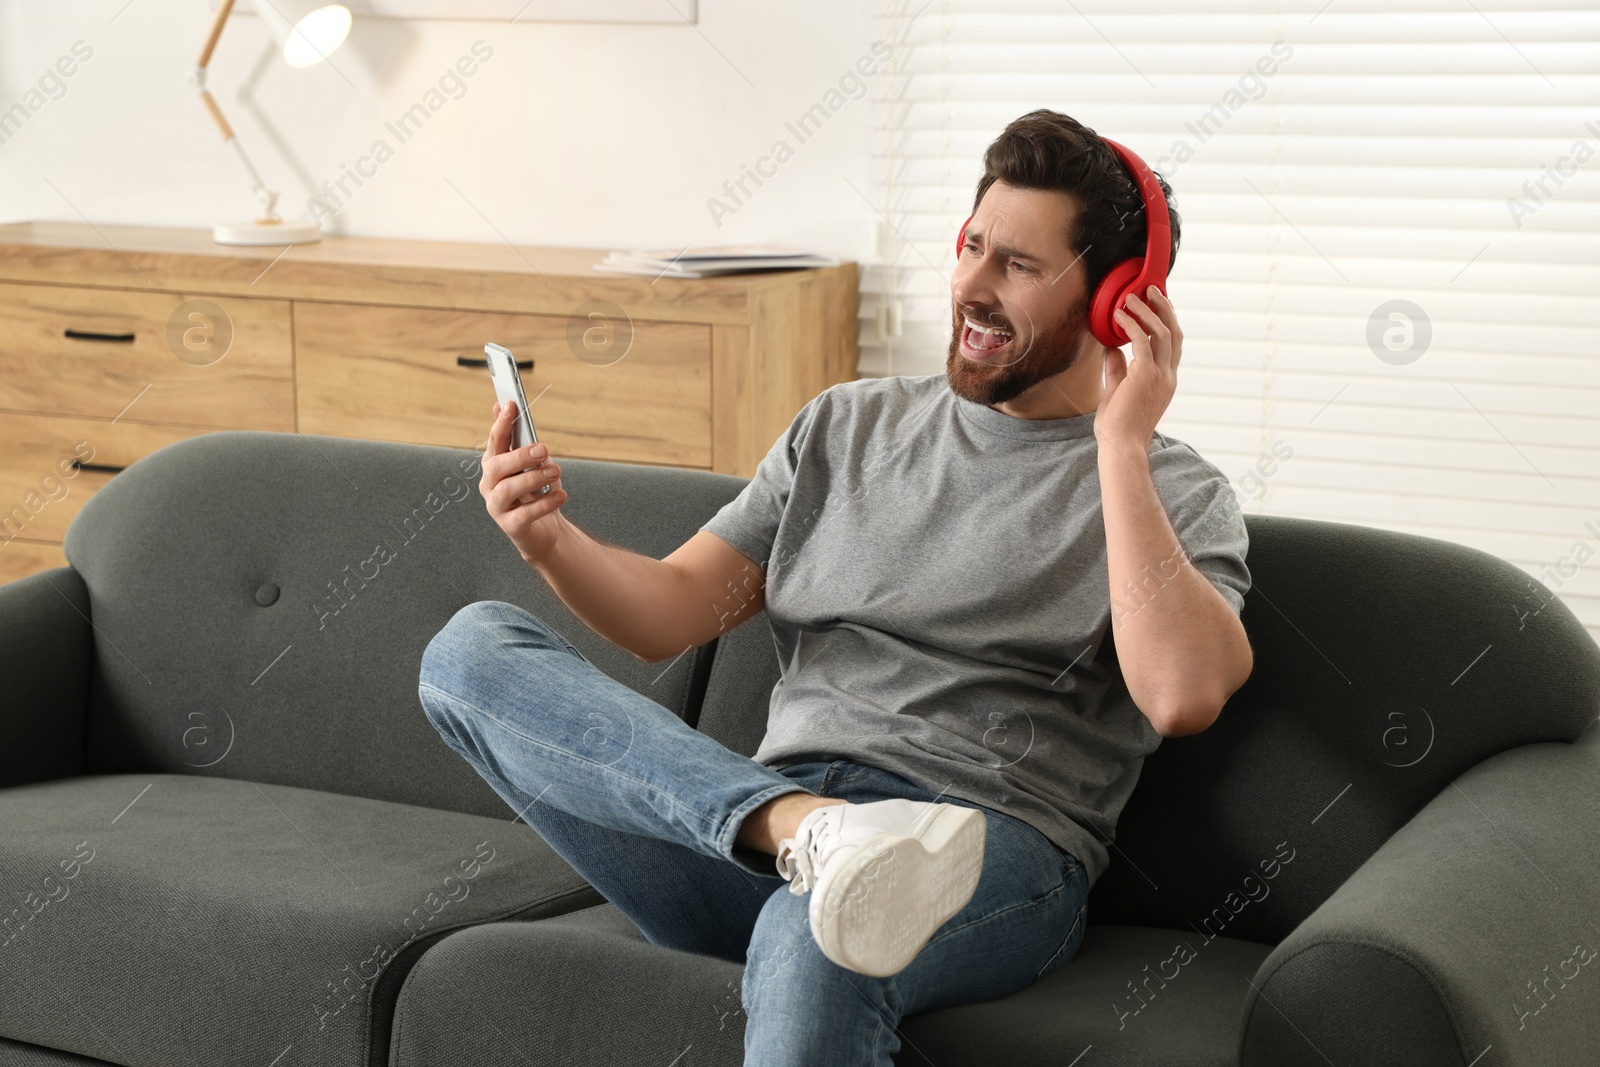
column 1138, row 390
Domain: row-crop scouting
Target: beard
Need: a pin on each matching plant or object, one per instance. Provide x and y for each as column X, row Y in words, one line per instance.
column 1049, row 352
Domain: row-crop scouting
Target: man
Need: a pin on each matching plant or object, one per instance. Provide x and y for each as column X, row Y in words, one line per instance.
column 941, row 558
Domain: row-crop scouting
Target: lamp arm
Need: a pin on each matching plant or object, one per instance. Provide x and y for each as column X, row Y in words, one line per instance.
column 267, row 198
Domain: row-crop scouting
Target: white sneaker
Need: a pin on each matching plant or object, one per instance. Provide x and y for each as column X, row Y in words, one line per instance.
column 883, row 876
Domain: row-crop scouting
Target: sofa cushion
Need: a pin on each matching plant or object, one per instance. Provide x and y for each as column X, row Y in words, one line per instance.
column 1386, row 665
column 1133, row 996
column 580, row 990
column 22, row 1054
column 186, row 920
column 282, row 587
column 739, row 690
column 586, row 989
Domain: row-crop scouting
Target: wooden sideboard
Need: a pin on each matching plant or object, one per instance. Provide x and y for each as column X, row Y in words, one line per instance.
column 116, row 341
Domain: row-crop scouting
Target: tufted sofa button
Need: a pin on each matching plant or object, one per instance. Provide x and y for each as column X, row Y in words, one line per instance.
column 267, row 595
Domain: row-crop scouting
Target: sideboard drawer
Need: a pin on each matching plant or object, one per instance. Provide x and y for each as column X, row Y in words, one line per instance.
column 41, row 488
column 145, row 357
column 393, row 374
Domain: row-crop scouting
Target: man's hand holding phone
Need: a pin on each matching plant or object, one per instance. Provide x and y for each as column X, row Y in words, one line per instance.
column 511, row 492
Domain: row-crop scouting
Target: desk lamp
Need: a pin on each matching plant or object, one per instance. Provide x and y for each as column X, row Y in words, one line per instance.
column 307, row 32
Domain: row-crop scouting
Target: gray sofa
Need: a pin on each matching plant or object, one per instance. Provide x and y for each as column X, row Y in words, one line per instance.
column 229, row 834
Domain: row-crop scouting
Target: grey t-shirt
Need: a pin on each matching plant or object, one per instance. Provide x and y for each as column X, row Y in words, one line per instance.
column 938, row 590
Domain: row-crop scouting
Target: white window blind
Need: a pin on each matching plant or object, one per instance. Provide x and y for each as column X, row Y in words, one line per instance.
column 1328, row 160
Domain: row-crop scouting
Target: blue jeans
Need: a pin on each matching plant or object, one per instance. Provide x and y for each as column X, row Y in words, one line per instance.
column 646, row 809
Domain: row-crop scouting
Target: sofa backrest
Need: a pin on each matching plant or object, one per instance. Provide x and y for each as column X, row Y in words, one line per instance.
column 1386, row 664
column 261, row 602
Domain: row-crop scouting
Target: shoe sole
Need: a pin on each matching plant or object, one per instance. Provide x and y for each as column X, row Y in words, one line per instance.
column 878, row 910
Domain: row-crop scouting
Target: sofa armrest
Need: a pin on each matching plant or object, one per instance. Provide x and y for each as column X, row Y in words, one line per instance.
column 1476, row 926
column 46, row 648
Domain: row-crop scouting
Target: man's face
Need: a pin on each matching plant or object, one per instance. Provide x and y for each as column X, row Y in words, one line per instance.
column 1019, row 278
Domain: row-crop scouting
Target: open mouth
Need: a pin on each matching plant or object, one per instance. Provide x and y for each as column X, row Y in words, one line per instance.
column 983, row 344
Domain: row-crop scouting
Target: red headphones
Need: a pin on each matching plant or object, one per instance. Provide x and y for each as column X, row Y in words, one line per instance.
column 1131, row 275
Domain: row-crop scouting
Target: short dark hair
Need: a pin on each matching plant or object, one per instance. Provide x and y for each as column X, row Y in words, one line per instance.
column 1045, row 149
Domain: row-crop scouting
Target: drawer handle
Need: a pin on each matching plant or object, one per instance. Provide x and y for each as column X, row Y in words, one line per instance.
column 468, row 361
column 90, row 335
column 103, row 467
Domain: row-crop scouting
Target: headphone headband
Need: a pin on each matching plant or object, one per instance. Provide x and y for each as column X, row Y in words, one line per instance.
column 1158, row 223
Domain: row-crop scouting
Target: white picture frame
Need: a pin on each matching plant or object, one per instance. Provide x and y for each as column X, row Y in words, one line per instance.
column 669, row 12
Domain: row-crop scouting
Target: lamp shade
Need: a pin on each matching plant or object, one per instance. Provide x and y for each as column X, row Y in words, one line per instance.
column 307, row 31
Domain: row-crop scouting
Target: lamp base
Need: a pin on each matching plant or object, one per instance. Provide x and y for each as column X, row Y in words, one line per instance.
column 267, row 233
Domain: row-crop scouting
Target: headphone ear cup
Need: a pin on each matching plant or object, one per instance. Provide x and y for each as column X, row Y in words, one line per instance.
column 1108, row 296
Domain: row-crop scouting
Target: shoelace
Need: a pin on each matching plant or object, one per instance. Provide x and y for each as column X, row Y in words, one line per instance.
column 797, row 856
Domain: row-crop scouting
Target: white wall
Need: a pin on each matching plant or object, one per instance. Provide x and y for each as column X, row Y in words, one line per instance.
column 570, row 134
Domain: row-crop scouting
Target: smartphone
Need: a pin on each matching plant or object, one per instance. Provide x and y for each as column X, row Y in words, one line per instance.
column 508, row 389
